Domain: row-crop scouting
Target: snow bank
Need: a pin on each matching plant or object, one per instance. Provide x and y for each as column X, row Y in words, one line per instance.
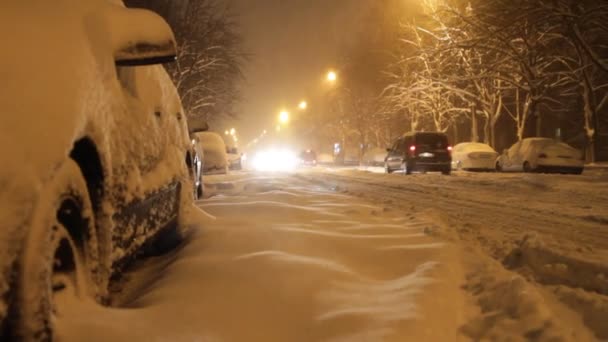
column 285, row 261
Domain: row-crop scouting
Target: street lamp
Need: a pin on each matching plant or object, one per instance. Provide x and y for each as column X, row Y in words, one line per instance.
column 232, row 131
column 284, row 117
column 226, row 132
column 303, row 105
column 332, row 76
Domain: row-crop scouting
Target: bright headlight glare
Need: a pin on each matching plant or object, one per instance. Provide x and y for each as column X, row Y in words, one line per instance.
column 274, row 160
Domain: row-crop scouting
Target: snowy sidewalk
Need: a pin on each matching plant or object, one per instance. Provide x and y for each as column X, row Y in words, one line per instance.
column 285, row 260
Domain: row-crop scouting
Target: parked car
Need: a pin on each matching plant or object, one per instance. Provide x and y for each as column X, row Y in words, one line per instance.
column 473, row 156
column 235, row 159
column 419, row 151
column 93, row 138
column 215, row 160
column 194, row 160
column 195, row 157
column 308, row 158
column 541, row 155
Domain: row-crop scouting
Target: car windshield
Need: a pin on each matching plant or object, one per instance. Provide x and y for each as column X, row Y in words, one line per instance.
column 432, row 140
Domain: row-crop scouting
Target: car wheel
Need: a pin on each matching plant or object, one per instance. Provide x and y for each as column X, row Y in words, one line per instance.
column 199, row 191
column 387, row 169
column 498, row 167
column 407, row 170
column 527, row 167
column 59, row 260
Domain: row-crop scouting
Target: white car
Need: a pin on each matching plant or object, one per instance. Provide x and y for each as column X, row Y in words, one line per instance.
column 215, row 159
column 235, row 159
column 93, row 140
column 541, row 155
column 473, row 156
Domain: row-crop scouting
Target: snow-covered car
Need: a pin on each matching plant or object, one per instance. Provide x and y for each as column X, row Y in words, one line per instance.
column 215, row 160
column 93, row 138
column 473, row 156
column 541, row 155
column 235, row 161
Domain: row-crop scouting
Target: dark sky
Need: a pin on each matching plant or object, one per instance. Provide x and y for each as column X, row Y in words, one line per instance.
column 293, row 43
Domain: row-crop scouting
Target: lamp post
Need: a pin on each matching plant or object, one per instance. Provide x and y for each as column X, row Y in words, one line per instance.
column 284, row 117
column 332, row 77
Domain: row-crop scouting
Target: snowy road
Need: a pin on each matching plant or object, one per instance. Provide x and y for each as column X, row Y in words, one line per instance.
column 351, row 255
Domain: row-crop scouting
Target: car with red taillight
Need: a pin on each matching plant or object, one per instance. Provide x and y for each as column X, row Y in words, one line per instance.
column 420, row 151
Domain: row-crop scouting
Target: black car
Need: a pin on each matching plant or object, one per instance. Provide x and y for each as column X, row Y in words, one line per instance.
column 420, row 151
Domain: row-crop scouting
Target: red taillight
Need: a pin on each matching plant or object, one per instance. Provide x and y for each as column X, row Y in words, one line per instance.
column 450, row 149
column 542, row 155
column 413, row 148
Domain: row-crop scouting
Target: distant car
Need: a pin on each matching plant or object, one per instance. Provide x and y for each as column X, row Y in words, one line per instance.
column 195, row 156
column 215, row 159
column 235, row 159
column 194, row 160
column 541, row 155
column 93, row 138
column 420, row 151
column 308, row 158
column 473, row 156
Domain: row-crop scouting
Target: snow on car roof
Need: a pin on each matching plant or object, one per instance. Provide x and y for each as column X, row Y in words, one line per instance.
column 474, row 146
column 211, row 139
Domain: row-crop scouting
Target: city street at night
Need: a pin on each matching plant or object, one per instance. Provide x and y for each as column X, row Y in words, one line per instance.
column 304, row 170
column 350, row 254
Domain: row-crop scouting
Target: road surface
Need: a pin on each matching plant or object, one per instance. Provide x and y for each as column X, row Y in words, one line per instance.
column 328, row 254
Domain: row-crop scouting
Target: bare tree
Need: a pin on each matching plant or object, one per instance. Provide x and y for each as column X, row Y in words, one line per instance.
column 581, row 26
column 210, row 55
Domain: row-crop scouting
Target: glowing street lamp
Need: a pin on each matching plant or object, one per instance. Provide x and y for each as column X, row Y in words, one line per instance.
column 284, row 117
column 232, row 131
column 303, row 105
column 226, row 132
column 332, row 76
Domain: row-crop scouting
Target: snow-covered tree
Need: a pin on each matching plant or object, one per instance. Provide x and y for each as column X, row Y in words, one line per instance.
column 210, row 55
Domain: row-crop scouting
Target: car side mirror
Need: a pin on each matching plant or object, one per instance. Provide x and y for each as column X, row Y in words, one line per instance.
column 139, row 37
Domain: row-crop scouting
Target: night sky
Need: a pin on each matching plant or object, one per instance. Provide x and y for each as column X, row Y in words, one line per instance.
column 293, row 43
